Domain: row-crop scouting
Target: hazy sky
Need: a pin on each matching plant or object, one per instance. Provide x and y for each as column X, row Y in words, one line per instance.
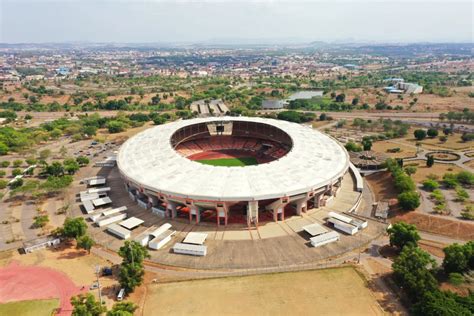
column 220, row 21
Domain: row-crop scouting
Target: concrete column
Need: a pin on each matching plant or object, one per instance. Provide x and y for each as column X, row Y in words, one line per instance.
column 171, row 209
column 252, row 212
column 300, row 205
column 194, row 210
column 222, row 210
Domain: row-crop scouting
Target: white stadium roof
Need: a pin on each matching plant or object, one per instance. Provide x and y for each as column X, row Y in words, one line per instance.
column 150, row 162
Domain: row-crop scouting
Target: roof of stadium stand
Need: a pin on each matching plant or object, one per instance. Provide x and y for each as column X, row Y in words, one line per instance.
column 149, row 160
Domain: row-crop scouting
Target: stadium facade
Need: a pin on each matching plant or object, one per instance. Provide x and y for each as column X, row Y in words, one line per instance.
column 298, row 168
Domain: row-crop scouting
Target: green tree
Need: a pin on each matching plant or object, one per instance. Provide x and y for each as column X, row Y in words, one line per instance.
column 402, row 234
column 116, row 126
column 3, row 184
column 86, row 305
column 122, row 309
column 430, row 185
column 432, row 132
column 16, row 172
column 74, row 227
column 419, row 134
column 409, row 200
column 55, row 169
column 430, row 161
column 131, row 275
column 411, row 271
column 82, row 161
column 465, row 177
column 410, row 170
column 440, row 303
column 85, row 242
column 3, row 148
column 351, row 146
column 455, row 259
column 17, row 163
column 71, row 165
column 132, row 251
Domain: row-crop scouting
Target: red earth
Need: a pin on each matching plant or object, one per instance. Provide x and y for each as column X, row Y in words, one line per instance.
column 221, row 154
column 21, row 283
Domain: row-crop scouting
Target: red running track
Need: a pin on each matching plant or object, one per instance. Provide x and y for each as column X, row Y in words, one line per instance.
column 20, row 283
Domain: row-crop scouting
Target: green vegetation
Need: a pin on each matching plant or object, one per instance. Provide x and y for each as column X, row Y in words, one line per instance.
column 131, row 270
column 40, row 221
column 402, row 234
column 419, row 134
column 430, row 185
column 29, row 308
column 351, row 146
column 458, row 258
column 452, row 180
column 85, row 242
column 408, row 198
column 122, row 309
column 230, row 162
column 74, row 228
column 295, row 117
column 86, row 304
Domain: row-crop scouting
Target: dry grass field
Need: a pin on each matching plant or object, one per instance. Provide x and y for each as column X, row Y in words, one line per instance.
column 438, row 169
column 339, row 291
column 383, row 146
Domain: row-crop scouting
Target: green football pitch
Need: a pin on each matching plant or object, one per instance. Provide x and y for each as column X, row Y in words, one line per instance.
column 230, row 162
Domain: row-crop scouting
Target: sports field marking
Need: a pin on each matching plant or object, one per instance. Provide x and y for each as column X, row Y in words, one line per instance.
column 230, row 162
column 29, row 308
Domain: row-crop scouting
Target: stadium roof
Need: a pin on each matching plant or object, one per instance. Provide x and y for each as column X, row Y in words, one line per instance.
column 149, row 161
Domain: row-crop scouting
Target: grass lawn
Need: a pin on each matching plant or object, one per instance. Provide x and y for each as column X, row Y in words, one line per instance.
column 320, row 292
column 29, row 308
column 230, row 162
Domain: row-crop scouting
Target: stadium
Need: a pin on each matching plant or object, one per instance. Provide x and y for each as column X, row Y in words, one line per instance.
column 232, row 170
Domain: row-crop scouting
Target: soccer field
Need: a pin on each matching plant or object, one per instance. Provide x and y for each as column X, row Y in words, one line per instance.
column 29, row 308
column 339, row 291
column 230, row 162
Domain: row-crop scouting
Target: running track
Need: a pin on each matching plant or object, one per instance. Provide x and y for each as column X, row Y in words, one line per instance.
column 20, row 283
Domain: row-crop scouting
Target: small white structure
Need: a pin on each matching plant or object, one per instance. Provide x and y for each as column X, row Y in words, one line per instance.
column 102, row 201
column 188, row 249
column 96, row 181
column 162, row 239
column 144, row 238
column 360, row 224
column 40, row 243
column 88, row 206
column 98, row 190
column 324, row 239
column 195, row 238
column 131, row 223
column 111, row 219
column 315, row 229
column 119, row 231
column 84, row 196
column 107, row 212
column 342, row 226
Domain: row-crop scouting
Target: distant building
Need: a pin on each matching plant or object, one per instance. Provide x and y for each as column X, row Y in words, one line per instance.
column 273, row 104
column 40, row 243
column 398, row 85
column 304, row 95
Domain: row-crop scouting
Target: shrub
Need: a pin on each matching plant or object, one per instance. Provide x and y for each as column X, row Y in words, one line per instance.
column 430, row 161
column 465, row 177
column 5, row 164
column 438, row 196
column 3, row 184
column 16, row 172
column 456, row 278
column 450, row 180
column 40, row 221
column 466, row 137
column 432, row 132
column 351, row 146
column 409, row 200
column 430, row 185
column 404, row 183
column 17, row 163
column 461, row 194
column 2, row 173
column 419, row 134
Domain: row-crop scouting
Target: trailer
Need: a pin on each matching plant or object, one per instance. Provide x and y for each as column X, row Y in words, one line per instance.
column 88, row 206
column 342, row 226
column 161, row 240
column 107, row 212
column 145, row 236
column 131, row 223
column 190, row 249
column 111, row 219
column 315, row 229
column 85, row 196
column 323, row 239
column 119, row 231
column 349, row 220
column 102, row 201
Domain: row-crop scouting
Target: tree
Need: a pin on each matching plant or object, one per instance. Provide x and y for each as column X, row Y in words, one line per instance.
column 432, row 132
column 71, row 165
column 17, row 163
column 74, row 227
column 3, row 148
column 411, row 271
column 430, row 185
column 3, row 184
column 132, row 251
column 430, row 161
column 323, row 116
column 82, row 161
column 85, row 242
column 351, row 146
column 410, row 170
column 86, row 305
column 367, row 144
column 409, row 200
column 122, row 309
column 16, row 172
column 116, row 126
column 402, row 234
column 419, row 134
column 55, row 169
column 131, row 275
column 340, row 97
column 465, row 177
column 440, row 303
column 455, row 259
